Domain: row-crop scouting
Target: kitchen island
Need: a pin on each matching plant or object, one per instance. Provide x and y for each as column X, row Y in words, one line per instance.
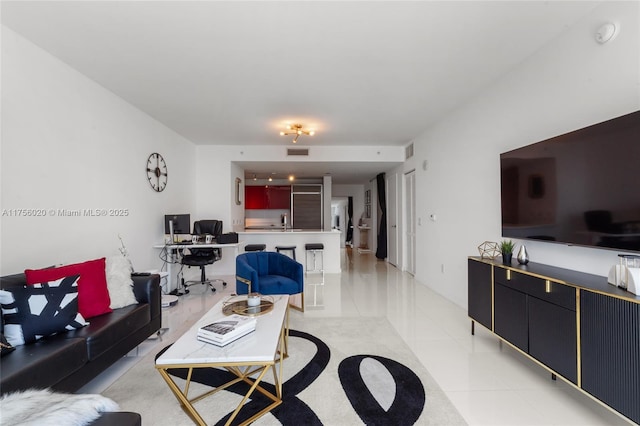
column 298, row 238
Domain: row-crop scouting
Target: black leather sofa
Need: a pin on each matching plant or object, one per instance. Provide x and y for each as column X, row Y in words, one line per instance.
column 67, row 361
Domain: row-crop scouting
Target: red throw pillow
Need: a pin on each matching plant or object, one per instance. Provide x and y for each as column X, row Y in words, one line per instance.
column 93, row 294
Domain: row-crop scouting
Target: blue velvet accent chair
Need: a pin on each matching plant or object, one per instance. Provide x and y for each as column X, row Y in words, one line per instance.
column 268, row 272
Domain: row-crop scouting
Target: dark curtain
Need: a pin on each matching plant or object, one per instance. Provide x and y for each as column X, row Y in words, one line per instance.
column 349, row 238
column 381, row 251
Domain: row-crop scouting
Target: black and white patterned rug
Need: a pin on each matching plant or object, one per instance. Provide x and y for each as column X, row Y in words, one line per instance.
column 339, row 372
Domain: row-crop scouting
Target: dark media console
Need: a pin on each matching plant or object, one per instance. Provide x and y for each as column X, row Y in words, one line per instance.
column 575, row 325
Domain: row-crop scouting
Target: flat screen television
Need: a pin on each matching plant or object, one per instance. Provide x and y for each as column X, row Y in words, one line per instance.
column 580, row 188
column 181, row 224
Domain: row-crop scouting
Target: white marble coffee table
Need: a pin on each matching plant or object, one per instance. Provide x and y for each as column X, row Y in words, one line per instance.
column 249, row 358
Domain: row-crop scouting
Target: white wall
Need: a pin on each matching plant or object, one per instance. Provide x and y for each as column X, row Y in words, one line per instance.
column 67, row 143
column 237, row 210
column 215, row 197
column 215, row 193
column 571, row 83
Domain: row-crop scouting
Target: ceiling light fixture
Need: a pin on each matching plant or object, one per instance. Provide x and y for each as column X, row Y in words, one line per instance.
column 296, row 129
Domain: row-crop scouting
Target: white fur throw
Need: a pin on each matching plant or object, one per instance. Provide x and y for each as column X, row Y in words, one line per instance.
column 46, row 408
column 119, row 282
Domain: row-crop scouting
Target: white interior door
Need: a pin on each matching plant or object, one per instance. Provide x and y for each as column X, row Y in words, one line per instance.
column 410, row 222
column 392, row 219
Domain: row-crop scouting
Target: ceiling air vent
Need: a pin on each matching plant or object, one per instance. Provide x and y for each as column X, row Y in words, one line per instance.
column 408, row 151
column 298, row 151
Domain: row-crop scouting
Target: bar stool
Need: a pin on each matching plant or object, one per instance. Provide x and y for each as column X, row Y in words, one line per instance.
column 314, row 249
column 291, row 249
column 255, row 247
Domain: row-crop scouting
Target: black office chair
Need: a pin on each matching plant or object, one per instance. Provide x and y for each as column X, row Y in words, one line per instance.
column 202, row 257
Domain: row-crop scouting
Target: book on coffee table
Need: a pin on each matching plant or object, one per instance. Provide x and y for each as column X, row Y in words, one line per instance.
column 227, row 341
column 227, row 329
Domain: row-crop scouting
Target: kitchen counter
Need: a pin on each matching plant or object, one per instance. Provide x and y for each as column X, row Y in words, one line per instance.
column 272, row 230
column 298, row 237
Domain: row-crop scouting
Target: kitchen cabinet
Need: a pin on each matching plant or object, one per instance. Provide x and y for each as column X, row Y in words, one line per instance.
column 306, row 210
column 276, row 197
column 255, row 197
column 279, row 197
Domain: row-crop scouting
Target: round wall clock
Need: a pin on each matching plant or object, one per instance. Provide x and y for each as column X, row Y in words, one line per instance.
column 157, row 172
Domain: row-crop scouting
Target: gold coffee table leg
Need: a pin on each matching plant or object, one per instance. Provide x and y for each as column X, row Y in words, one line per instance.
column 182, row 398
column 242, row 374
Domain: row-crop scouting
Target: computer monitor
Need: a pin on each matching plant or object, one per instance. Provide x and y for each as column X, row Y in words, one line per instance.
column 176, row 224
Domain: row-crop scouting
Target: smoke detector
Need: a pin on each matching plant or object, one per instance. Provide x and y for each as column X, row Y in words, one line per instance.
column 606, row 33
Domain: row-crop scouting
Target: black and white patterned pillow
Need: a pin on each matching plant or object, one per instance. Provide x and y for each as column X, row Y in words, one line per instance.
column 35, row 311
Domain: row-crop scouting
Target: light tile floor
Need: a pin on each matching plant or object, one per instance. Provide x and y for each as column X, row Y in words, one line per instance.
column 488, row 382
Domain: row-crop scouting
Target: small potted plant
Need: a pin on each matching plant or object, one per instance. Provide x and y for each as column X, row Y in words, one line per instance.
column 506, row 247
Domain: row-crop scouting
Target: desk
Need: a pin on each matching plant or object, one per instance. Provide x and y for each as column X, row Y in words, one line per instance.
column 249, row 358
column 172, row 257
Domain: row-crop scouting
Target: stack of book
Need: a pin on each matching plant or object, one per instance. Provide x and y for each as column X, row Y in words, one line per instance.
column 227, row 329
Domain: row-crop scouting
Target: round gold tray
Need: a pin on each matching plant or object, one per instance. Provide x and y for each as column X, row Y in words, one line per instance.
column 240, row 306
